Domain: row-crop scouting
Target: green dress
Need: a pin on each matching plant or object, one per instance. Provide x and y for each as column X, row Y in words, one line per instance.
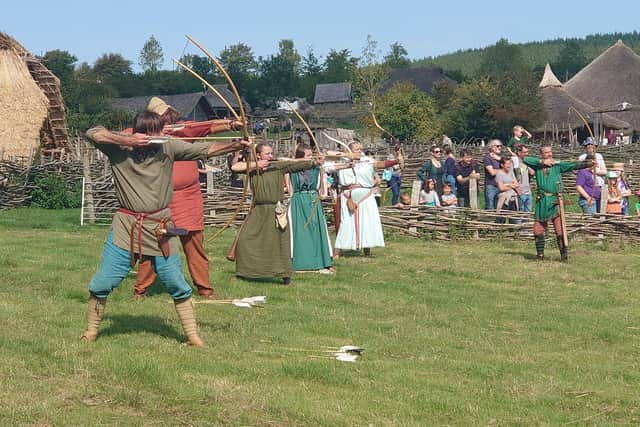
column 547, row 179
column 263, row 249
column 310, row 237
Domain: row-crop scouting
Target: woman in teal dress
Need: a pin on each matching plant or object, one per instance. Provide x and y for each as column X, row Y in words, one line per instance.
column 310, row 244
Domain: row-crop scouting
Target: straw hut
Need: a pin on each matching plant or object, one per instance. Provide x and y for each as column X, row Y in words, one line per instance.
column 424, row 78
column 31, row 104
column 559, row 107
column 610, row 79
column 197, row 106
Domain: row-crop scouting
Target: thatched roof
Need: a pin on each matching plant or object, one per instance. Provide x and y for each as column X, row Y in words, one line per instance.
column 332, row 92
column 183, row 103
column 559, row 105
column 216, row 102
column 30, row 101
column 549, row 79
column 611, row 78
column 186, row 103
column 422, row 77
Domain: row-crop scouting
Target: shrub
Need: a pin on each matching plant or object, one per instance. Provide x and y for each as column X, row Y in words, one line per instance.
column 53, row 192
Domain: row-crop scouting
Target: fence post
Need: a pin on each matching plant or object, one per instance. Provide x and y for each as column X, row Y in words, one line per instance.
column 473, row 193
column 415, row 192
column 209, row 182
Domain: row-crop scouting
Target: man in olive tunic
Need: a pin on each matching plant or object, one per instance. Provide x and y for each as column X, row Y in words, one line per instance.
column 548, row 174
column 264, row 246
column 142, row 228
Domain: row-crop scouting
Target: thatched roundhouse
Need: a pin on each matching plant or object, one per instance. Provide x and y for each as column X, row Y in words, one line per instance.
column 31, row 104
column 559, row 108
column 610, row 79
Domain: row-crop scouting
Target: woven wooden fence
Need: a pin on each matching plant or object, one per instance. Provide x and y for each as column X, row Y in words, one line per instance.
column 220, row 201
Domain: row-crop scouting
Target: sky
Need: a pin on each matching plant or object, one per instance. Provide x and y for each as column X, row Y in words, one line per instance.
column 89, row 29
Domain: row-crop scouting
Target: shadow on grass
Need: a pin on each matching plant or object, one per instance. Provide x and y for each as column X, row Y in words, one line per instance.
column 529, row 256
column 259, row 280
column 127, row 324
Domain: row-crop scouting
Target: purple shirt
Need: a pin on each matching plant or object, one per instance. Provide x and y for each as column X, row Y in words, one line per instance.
column 488, row 178
column 585, row 180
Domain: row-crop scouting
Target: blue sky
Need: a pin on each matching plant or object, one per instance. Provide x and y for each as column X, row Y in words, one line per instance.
column 89, row 29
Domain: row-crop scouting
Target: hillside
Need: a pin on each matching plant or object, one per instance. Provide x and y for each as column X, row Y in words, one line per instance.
column 536, row 53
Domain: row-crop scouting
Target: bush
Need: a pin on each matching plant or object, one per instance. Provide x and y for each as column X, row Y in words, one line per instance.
column 53, row 192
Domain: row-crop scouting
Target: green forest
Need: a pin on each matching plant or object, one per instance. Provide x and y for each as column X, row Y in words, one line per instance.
column 488, row 90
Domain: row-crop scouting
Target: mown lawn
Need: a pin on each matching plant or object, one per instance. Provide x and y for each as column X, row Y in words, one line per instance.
column 460, row 333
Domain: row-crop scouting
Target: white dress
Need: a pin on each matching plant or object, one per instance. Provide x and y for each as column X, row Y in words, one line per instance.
column 369, row 233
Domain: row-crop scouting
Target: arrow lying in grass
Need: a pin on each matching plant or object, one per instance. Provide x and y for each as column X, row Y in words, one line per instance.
column 247, row 302
column 345, row 353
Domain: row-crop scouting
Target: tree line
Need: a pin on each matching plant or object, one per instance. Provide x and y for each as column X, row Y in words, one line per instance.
column 497, row 88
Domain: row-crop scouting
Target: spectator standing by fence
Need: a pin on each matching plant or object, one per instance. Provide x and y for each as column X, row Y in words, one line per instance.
column 491, row 164
column 466, row 169
column 433, row 168
column 450, row 168
column 520, row 136
column 522, row 173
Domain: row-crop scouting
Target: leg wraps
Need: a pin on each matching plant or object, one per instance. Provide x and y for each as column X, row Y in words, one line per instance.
column 95, row 312
column 539, row 245
column 187, row 316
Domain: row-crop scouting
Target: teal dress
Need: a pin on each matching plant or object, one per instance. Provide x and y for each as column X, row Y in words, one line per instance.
column 309, row 235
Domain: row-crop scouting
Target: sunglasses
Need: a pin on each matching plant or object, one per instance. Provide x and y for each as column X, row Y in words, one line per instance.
column 498, row 145
column 436, row 152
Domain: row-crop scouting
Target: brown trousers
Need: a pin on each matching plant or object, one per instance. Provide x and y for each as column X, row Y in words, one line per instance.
column 197, row 261
column 539, row 227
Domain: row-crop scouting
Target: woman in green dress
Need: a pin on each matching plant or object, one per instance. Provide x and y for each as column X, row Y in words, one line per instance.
column 310, row 244
column 263, row 245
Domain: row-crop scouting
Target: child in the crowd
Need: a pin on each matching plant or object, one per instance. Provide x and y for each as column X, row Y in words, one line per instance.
column 428, row 195
column 623, row 187
column 404, row 203
column 614, row 200
column 448, row 198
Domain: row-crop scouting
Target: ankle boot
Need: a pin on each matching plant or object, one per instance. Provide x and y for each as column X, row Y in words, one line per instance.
column 187, row 316
column 564, row 256
column 95, row 312
column 539, row 246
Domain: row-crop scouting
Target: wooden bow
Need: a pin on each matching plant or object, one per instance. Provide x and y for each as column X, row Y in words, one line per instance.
column 315, row 141
column 245, row 131
column 400, row 151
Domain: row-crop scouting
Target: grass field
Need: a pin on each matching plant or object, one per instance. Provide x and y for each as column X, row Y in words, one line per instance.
column 457, row 333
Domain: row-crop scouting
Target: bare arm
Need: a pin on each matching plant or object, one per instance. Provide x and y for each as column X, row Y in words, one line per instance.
column 241, row 167
column 583, row 193
column 104, row 136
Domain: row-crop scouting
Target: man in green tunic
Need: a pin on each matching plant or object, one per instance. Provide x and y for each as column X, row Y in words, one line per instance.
column 548, row 174
column 264, row 246
column 142, row 227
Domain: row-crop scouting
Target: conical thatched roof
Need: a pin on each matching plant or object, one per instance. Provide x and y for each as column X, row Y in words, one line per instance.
column 549, row 79
column 30, row 101
column 611, row 78
column 559, row 106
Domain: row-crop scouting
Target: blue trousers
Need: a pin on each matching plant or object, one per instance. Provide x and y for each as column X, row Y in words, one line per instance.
column 589, row 210
column 116, row 264
column 394, row 184
column 490, row 196
column 525, row 202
